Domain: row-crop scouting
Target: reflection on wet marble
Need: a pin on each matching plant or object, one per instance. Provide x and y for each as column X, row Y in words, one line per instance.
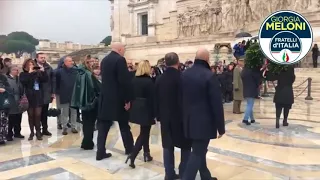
column 56, row 173
column 252, row 152
column 25, row 161
column 290, row 131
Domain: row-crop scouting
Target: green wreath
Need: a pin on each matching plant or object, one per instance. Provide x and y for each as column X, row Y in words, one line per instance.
column 255, row 59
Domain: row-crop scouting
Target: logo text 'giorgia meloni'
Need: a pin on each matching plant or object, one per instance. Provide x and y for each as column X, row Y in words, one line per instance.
column 285, row 37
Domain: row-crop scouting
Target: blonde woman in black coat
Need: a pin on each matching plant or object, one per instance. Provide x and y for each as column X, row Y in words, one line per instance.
column 142, row 110
column 283, row 97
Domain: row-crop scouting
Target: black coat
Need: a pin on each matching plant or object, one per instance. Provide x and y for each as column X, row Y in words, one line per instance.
column 202, row 103
column 48, row 87
column 284, row 89
column 143, row 105
column 228, row 80
column 65, row 80
column 116, row 88
column 251, row 82
column 35, row 97
column 169, row 109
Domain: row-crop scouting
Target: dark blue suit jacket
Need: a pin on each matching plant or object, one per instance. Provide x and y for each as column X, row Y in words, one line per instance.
column 202, row 103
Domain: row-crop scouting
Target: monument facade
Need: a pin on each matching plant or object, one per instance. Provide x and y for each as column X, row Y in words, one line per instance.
column 151, row 28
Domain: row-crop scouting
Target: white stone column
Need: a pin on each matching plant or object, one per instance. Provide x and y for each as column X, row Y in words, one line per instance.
column 115, row 9
column 131, row 21
column 151, row 20
column 173, row 5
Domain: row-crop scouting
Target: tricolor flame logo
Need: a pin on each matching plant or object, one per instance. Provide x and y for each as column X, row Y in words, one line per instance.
column 285, row 57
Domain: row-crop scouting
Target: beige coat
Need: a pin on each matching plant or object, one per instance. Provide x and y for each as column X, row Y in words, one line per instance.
column 237, row 84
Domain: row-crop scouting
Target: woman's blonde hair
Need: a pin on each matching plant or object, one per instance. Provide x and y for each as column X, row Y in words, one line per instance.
column 143, row 68
column 86, row 62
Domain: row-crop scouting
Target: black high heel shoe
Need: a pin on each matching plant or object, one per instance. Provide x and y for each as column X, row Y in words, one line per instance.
column 132, row 165
column 147, row 157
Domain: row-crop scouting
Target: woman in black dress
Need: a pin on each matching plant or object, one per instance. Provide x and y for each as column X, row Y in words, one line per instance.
column 32, row 79
column 142, row 110
column 283, row 97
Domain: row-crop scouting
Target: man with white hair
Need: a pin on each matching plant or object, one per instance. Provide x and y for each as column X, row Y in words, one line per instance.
column 116, row 95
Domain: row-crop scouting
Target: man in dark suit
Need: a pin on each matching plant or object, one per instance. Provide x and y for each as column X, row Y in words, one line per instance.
column 203, row 113
column 169, row 113
column 116, row 94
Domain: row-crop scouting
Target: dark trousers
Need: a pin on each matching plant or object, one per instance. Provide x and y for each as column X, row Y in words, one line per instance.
column 168, row 161
column 142, row 141
column 44, row 117
column 315, row 61
column 286, row 110
column 228, row 96
column 103, row 130
column 88, row 125
column 14, row 127
column 197, row 161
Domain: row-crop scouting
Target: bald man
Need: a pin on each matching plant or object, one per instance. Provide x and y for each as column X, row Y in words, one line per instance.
column 115, row 97
column 203, row 113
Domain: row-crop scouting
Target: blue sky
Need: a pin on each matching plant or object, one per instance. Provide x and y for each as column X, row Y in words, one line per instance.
column 79, row 21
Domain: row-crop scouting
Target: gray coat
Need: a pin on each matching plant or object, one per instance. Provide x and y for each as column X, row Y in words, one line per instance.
column 48, row 87
column 237, row 84
column 17, row 90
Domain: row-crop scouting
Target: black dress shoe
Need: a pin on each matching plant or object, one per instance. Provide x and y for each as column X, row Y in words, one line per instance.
column 131, row 164
column 87, row 147
column 246, row 122
column 104, row 156
column 19, row 136
column 9, row 138
column 176, row 176
column 46, row 133
column 252, row 121
column 147, row 157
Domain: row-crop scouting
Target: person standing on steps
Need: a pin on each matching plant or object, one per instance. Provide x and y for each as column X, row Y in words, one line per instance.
column 48, row 89
column 142, row 110
column 315, row 55
column 115, row 100
column 283, row 97
column 15, row 114
column 65, row 80
column 32, row 79
column 169, row 114
column 203, row 113
column 251, row 82
column 237, row 87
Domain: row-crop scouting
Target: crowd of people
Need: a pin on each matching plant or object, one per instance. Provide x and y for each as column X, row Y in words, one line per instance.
column 187, row 99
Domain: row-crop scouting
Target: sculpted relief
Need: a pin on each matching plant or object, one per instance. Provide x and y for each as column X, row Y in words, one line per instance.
column 228, row 15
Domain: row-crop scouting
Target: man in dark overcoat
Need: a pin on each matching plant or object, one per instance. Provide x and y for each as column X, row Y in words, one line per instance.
column 116, row 94
column 169, row 113
column 48, row 89
column 203, row 113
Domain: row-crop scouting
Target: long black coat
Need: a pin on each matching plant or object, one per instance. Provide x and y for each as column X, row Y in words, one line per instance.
column 284, row 89
column 169, row 109
column 251, row 82
column 228, row 80
column 202, row 103
column 116, row 88
column 143, row 105
column 35, row 97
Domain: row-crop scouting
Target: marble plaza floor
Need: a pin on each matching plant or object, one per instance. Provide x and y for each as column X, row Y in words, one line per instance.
column 256, row 152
